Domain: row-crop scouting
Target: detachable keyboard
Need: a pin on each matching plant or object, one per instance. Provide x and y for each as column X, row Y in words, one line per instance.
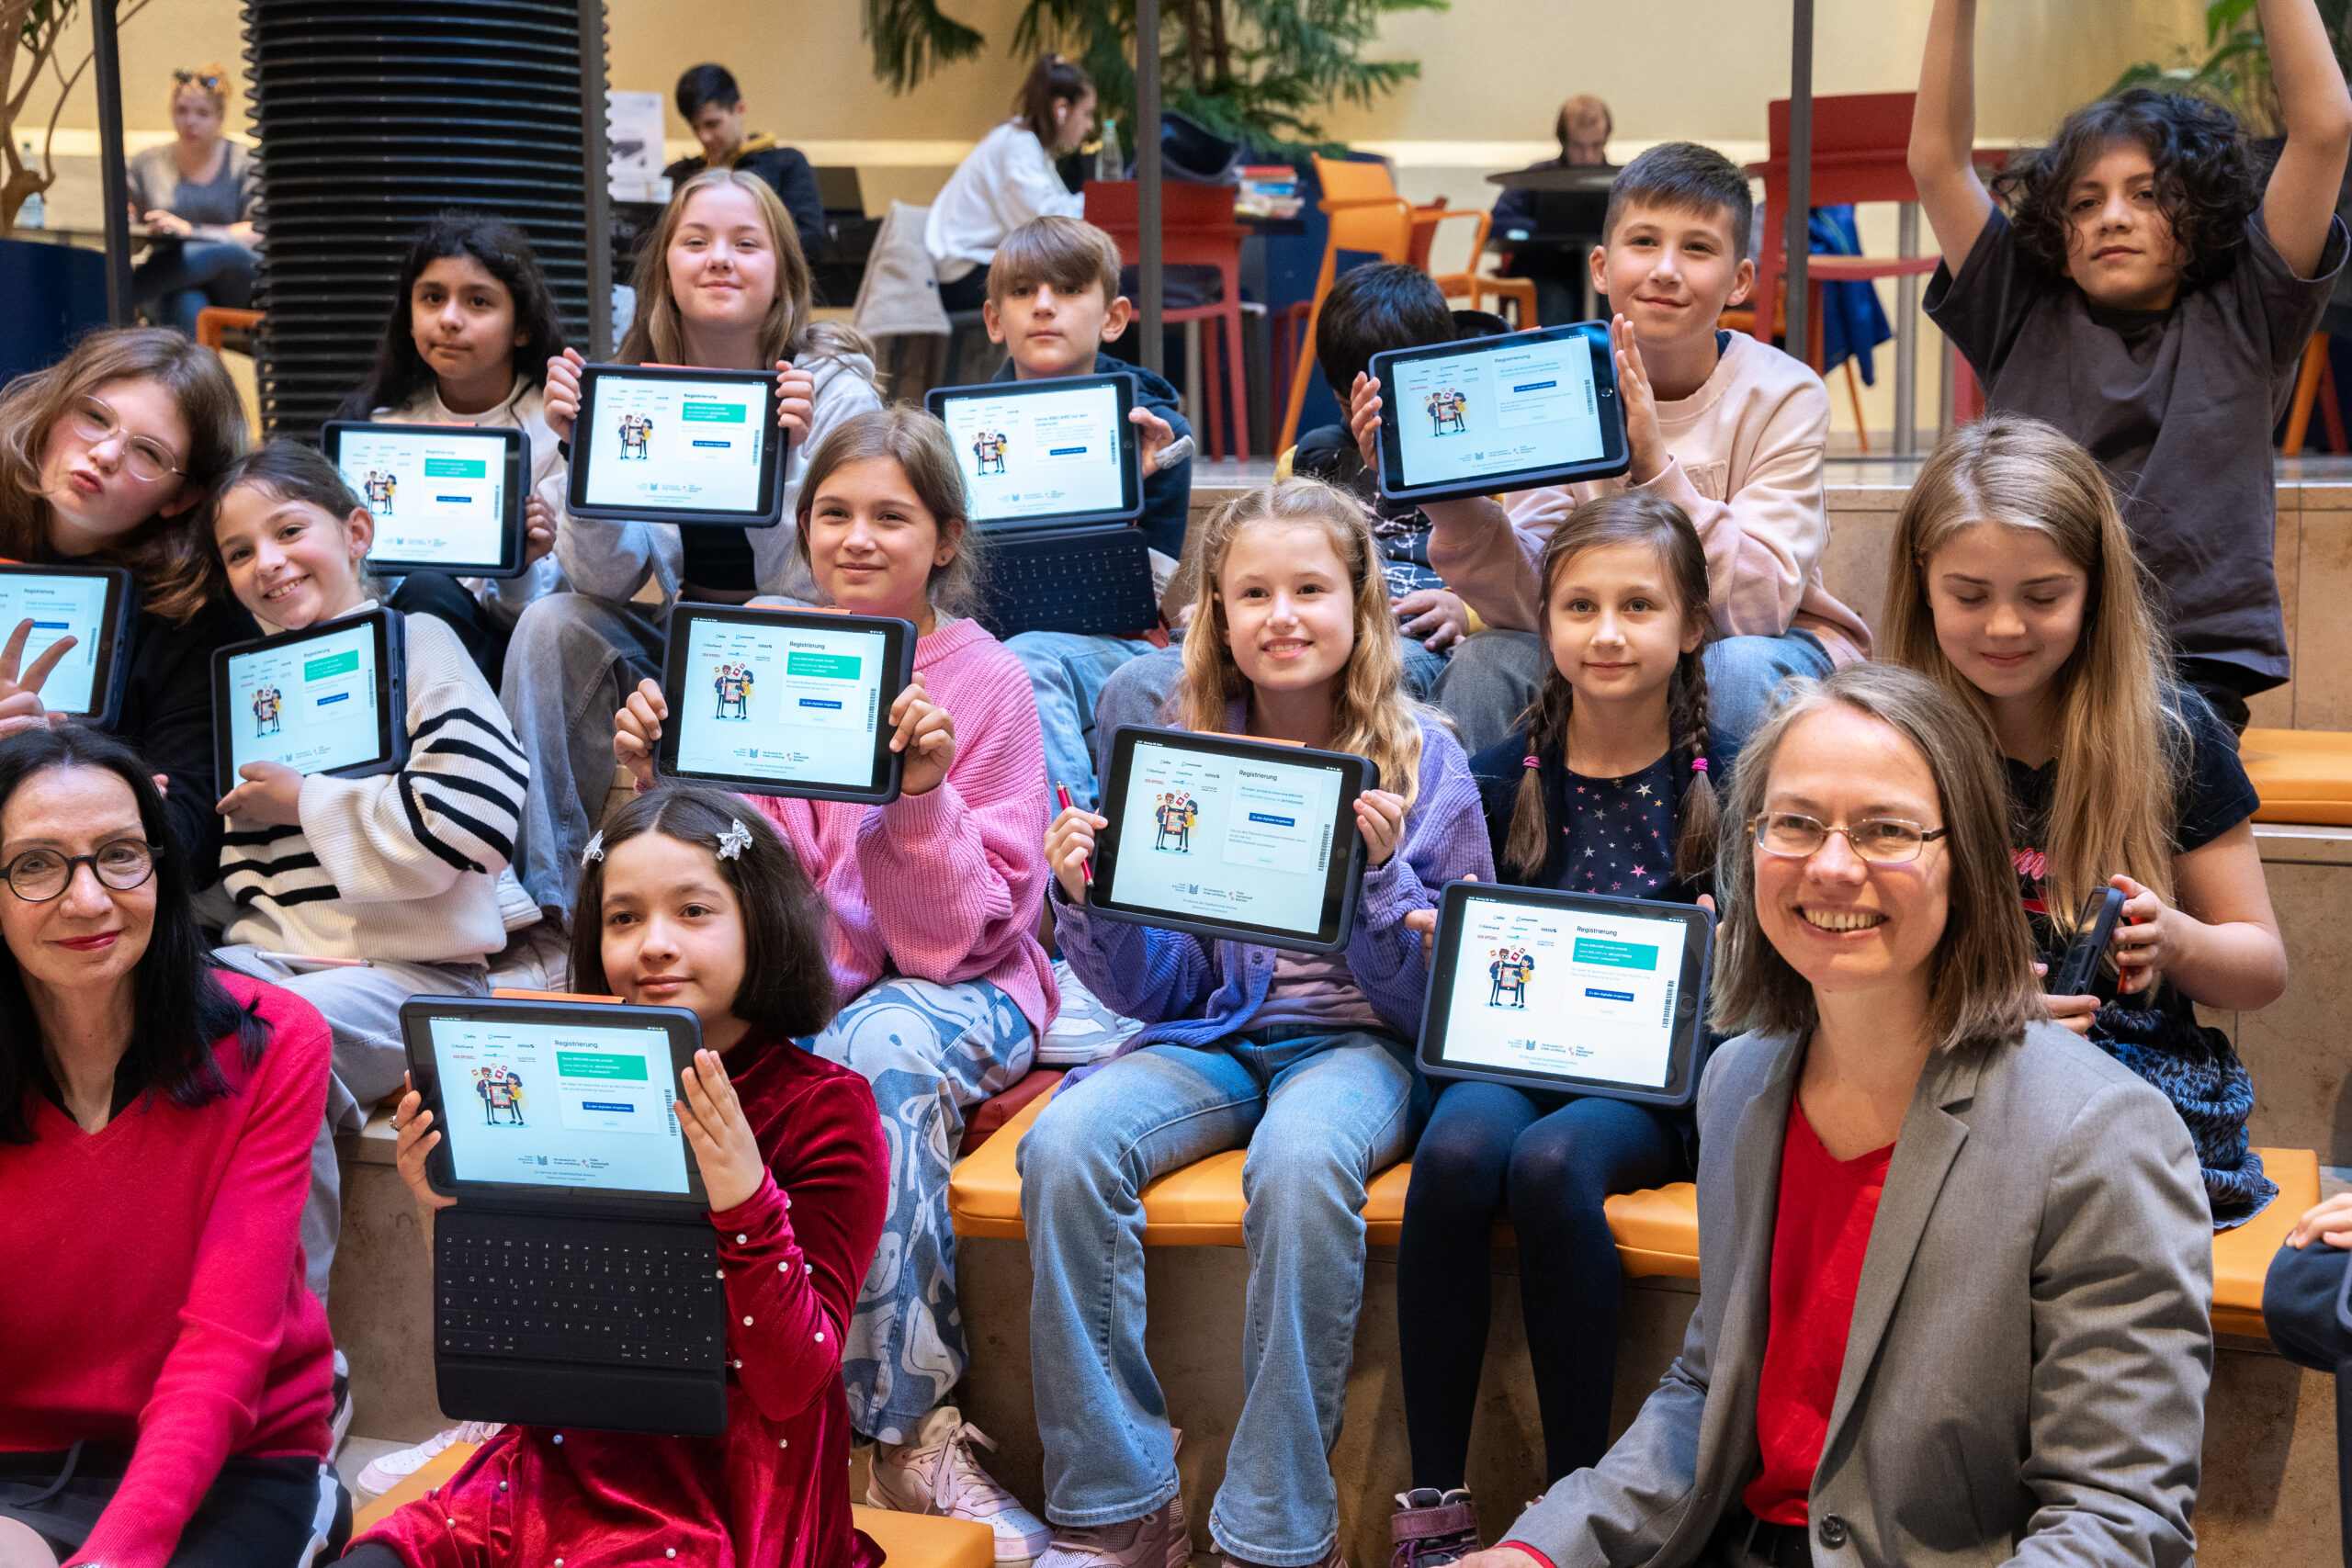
column 1096, row 583
column 598, row 1292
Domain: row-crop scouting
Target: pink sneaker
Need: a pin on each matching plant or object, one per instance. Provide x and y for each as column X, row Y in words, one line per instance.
column 937, row 1473
column 1158, row 1540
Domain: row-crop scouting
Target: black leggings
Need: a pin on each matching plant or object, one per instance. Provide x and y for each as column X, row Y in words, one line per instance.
column 1553, row 1159
column 373, row 1554
column 258, row 1513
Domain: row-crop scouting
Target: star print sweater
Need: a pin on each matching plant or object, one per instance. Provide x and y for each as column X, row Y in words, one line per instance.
column 1611, row 836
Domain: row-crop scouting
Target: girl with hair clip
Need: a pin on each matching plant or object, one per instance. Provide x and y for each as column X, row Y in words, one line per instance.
column 691, row 901
column 472, row 327
column 935, row 897
column 721, row 283
column 1305, row 1061
column 1010, row 178
column 1608, row 790
column 104, row 458
column 2014, row 584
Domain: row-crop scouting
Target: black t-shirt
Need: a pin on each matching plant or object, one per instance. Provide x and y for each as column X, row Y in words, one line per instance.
column 2177, row 406
column 2211, row 794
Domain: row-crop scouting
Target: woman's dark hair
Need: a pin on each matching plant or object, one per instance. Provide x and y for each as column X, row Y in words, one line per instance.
column 1630, row 518
column 179, row 1008
column 286, row 470
column 2206, row 184
column 1051, row 81
column 702, row 84
column 787, row 989
column 400, row 373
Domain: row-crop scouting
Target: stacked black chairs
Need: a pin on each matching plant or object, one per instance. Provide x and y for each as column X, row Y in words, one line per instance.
column 372, row 117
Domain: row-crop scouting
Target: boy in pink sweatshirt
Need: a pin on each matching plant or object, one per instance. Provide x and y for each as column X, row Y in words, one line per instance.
column 1728, row 428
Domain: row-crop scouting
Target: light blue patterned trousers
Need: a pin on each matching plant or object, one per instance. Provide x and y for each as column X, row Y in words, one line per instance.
column 931, row 1052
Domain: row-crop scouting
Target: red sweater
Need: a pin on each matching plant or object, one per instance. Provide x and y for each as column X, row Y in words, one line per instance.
column 773, row 1492
column 170, row 1317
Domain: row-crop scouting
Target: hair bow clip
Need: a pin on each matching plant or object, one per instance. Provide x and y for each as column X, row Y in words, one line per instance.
column 594, row 851
column 734, row 842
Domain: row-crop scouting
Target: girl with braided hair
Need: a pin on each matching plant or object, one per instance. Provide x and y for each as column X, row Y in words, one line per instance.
column 1608, row 789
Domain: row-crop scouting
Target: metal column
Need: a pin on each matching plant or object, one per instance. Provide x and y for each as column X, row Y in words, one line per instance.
column 1147, row 269
column 1793, row 222
column 114, row 174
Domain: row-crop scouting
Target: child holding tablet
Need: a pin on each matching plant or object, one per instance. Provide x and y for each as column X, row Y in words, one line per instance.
column 400, row 870
column 1607, row 789
column 935, row 896
column 721, row 284
column 1306, row 1061
column 2013, row 582
column 103, row 458
column 691, row 901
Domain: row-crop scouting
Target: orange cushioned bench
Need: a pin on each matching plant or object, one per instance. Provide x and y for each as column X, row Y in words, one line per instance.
column 2302, row 775
column 907, row 1541
column 1656, row 1231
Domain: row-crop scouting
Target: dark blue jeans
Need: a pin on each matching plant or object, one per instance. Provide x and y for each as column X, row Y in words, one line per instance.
column 1552, row 1159
column 177, row 280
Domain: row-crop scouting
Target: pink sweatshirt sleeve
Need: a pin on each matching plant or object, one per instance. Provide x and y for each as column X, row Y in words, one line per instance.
column 955, row 877
column 207, row 1395
column 1488, row 554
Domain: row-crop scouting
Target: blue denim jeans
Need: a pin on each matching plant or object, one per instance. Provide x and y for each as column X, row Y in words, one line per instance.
column 1320, row 1113
column 177, row 280
column 1067, row 671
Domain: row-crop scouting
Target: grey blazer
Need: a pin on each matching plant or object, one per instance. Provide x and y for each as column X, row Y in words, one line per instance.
column 2025, row 1375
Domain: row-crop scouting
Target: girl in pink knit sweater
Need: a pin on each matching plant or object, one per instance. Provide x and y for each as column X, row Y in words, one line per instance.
column 936, row 900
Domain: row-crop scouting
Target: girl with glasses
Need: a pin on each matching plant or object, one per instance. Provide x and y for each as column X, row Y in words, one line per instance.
column 157, row 1120
column 2014, row 584
column 104, row 458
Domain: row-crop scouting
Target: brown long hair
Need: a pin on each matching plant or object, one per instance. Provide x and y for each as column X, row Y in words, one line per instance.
column 168, row 557
column 1052, row 80
column 1370, row 714
column 1630, row 518
column 1981, row 983
column 2009, row 471
column 918, row 444
column 657, row 332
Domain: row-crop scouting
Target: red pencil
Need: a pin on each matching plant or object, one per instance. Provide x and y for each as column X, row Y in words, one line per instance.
column 1061, row 793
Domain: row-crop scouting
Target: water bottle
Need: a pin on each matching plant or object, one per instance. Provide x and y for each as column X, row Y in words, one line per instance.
column 34, row 213
column 1110, row 161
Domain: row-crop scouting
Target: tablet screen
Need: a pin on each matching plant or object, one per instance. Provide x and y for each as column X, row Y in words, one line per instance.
column 1211, row 837
column 59, row 605
column 309, row 705
column 1044, row 454
column 438, row 498
column 559, row 1104
column 793, row 704
column 1527, row 404
column 676, row 444
column 1568, row 992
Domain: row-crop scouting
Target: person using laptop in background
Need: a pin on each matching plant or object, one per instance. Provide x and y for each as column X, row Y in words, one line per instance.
column 712, row 107
column 695, row 902
column 944, row 990
column 1053, row 301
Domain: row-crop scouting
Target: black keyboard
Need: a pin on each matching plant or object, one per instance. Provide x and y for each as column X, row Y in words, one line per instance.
column 1070, row 585
column 606, row 1293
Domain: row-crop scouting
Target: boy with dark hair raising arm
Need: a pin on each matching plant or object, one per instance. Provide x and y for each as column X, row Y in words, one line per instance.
column 2146, row 295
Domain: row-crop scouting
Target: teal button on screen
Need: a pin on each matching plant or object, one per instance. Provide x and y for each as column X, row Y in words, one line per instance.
column 1615, row 954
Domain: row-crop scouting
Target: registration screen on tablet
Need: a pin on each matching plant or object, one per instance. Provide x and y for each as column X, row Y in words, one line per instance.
column 1565, row 992
column 1039, row 454
column 675, row 444
column 783, row 702
column 1219, row 838
column 59, row 606
column 1496, row 410
column 576, row 1105
column 438, row 500
column 309, row 705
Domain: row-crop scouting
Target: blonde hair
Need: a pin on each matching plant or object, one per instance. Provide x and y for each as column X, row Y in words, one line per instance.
column 1069, row 253
column 1370, row 714
column 2110, row 810
column 920, row 444
column 1981, row 985
column 211, row 79
column 657, row 335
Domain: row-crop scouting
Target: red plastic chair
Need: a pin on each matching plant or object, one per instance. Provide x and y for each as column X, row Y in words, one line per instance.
column 1197, row 229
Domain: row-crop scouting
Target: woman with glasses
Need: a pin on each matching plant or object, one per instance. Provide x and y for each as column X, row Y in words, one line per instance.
column 103, row 458
column 165, row 1389
column 1957, row 1270
column 197, row 195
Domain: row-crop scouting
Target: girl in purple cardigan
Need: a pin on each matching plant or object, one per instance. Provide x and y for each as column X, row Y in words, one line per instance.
column 1306, row 1061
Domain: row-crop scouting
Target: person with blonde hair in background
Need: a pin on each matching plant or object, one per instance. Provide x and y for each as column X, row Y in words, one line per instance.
column 197, row 195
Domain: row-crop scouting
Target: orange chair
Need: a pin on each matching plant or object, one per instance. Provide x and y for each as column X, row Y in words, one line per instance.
column 1366, row 214
column 1473, row 286
column 214, row 322
column 1197, row 229
column 2314, row 383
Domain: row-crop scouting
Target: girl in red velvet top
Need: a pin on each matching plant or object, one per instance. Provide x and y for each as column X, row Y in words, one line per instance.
column 163, row 1385
column 690, row 900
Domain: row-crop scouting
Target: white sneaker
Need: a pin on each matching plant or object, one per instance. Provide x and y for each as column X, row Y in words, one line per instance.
column 937, row 1473
column 386, row 1470
column 1158, row 1540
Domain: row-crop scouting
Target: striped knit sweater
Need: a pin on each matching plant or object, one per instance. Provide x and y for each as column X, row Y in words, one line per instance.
column 401, row 865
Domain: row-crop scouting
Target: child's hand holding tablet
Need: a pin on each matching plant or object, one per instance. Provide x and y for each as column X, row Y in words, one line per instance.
column 675, row 444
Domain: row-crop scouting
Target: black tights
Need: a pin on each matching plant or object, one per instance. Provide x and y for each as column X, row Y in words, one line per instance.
column 372, row 1554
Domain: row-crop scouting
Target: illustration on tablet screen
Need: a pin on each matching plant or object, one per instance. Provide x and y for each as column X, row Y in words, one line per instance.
column 267, row 705
column 1449, row 411
column 1173, row 817
column 1507, row 977
column 636, row 433
column 988, row 448
column 380, row 489
column 733, row 685
column 499, row 1092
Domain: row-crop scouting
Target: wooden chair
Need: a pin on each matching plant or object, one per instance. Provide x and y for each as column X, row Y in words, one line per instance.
column 1197, row 229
